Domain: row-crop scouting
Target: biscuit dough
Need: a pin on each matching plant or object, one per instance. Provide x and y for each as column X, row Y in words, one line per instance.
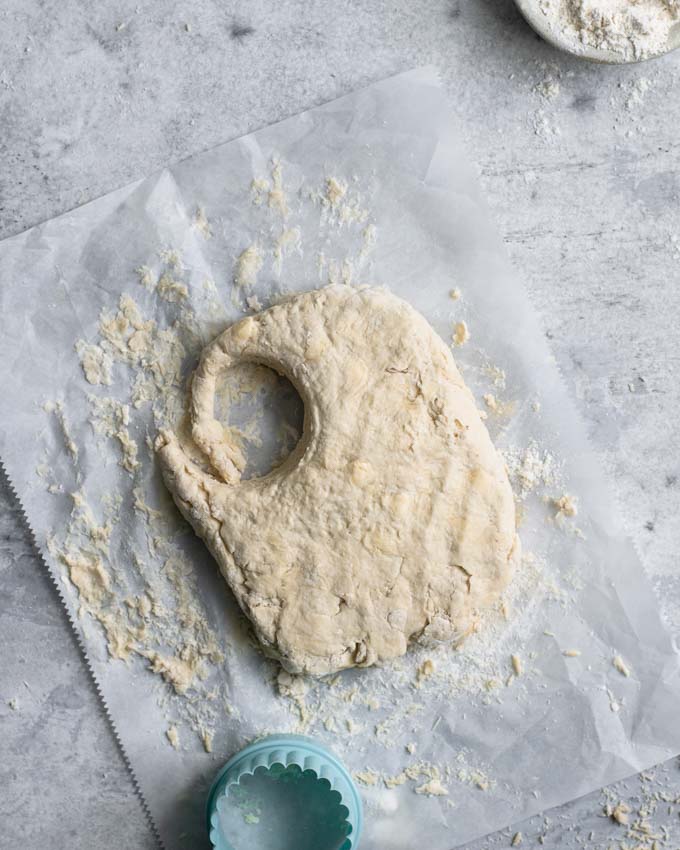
column 393, row 518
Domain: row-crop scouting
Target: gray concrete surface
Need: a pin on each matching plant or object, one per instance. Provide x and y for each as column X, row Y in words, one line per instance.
column 580, row 164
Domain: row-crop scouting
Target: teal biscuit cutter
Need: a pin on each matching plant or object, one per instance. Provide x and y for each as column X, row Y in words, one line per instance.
column 281, row 792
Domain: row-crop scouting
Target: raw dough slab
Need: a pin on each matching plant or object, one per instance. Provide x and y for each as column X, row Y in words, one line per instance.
column 393, row 518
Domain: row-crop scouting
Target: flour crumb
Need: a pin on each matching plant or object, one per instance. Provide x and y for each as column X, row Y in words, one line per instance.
column 637, row 90
column 516, row 839
column 271, row 191
column 111, row 418
column 369, row 239
column 335, row 191
column 341, row 206
column 202, row 224
column 289, row 240
column 548, row 89
column 177, row 671
column 454, row 294
column 461, row 333
column 475, row 778
column 367, row 777
column 145, row 276
column 395, row 781
column 172, row 258
column 57, row 408
column 566, row 506
column 276, row 198
column 171, row 290
column 291, row 686
column 96, row 363
column 259, row 188
column 253, row 303
column 207, row 736
column 172, row 735
column 496, row 374
column 425, row 670
column 248, row 266
column 490, row 401
column 618, row 812
column 544, row 126
column 410, row 748
column 433, row 788
column 621, row 666
column 13, row 703
column 473, row 775
column 517, row 666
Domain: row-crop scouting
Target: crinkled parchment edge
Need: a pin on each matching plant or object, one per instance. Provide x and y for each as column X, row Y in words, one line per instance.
column 84, row 655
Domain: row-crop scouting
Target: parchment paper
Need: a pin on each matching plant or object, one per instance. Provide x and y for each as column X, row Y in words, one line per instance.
column 505, row 745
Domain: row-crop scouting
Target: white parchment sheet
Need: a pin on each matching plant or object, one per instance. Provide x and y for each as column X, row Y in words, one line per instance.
column 505, row 739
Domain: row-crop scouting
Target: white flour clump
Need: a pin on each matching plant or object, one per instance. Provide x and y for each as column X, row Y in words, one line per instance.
column 632, row 29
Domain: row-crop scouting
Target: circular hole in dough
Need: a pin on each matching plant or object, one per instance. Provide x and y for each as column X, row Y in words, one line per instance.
column 264, row 413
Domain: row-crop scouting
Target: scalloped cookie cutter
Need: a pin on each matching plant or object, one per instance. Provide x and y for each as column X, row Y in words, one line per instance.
column 257, row 798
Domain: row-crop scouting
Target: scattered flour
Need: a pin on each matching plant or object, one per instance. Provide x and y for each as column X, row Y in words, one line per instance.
column 111, row 418
column 276, row 198
column 636, row 91
column 202, row 224
column 271, row 190
column 57, row 409
column 548, row 88
column 172, row 258
column 150, row 609
column 473, row 775
column 497, row 407
column 369, row 237
column 289, row 240
column 340, row 204
column 153, row 614
column 530, row 468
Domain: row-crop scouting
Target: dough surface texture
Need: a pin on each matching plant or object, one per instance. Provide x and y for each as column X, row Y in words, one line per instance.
column 392, row 519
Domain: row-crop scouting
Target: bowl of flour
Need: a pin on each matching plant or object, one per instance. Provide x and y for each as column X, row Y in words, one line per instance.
column 612, row 31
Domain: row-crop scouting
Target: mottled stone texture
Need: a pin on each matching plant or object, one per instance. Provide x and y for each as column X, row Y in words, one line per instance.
column 580, row 166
